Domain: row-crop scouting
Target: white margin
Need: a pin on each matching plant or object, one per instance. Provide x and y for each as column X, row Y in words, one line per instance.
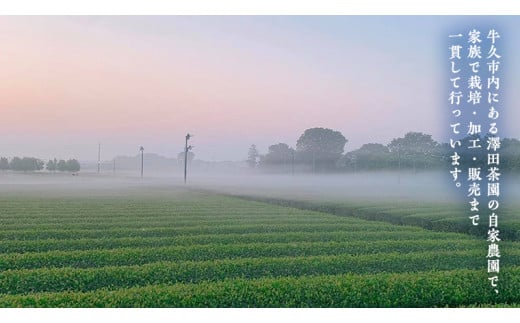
column 258, row 7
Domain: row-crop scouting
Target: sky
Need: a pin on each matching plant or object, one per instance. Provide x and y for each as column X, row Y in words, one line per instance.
column 70, row 82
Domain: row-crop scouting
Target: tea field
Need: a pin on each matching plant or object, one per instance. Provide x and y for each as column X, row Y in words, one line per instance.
column 169, row 247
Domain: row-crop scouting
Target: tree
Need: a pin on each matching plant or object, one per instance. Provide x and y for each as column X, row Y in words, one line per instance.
column 373, row 148
column 4, row 163
column 62, row 165
column 252, row 156
column 73, row 165
column 16, row 164
column 321, row 147
column 367, row 157
column 415, row 147
column 52, row 165
column 26, row 164
column 36, row 163
column 278, row 154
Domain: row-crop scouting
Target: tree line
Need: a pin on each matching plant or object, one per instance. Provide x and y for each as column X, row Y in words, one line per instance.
column 322, row 150
column 31, row 164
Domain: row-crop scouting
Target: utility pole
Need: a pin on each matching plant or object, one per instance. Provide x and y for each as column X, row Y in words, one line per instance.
column 186, row 150
column 114, row 166
column 99, row 158
column 141, row 149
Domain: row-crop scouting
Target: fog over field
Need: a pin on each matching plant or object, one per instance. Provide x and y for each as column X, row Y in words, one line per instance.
column 370, row 186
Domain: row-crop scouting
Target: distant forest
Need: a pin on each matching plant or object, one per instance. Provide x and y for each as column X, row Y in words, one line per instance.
column 322, row 150
column 31, row 164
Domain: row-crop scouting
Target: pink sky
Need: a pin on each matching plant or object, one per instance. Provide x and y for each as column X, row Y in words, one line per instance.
column 68, row 83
